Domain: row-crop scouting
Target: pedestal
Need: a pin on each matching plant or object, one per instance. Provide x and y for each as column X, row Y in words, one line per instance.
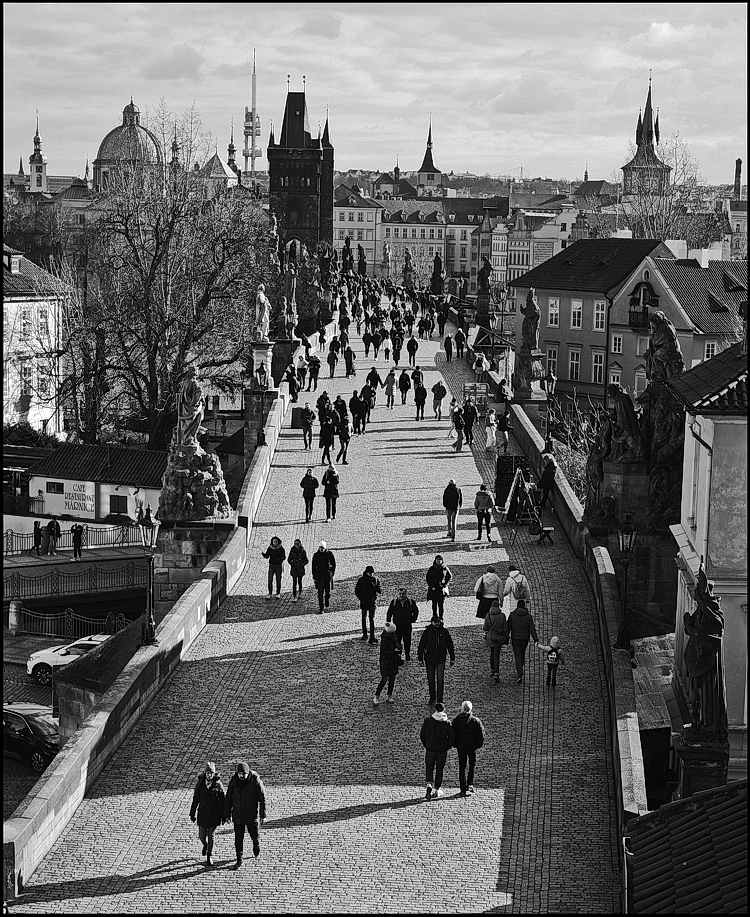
column 701, row 765
column 483, row 310
column 282, row 357
column 629, row 485
column 325, row 313
column 262, row 355
column 256, row 407
column 529, row 372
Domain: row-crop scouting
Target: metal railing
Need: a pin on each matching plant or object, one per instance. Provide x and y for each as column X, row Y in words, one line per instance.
column 69, row 624
column 111, row 536
column 95, row 578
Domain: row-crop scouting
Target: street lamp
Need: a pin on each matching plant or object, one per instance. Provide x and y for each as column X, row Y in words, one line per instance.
column 493, row 326
column 149, row 532
column 627, row 535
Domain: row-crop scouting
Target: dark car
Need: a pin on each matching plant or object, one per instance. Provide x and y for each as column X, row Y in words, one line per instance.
column 30, row 733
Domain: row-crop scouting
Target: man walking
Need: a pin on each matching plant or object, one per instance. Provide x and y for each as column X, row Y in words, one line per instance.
column 367, row 591
column 314, row 371
column 522, row 627
column 403, row 612
column 53, row 531
column 420, row 398
column 412, row 346
column 308, row 419
column 460, row 339
column 468, row 736
column 470, row 416
column 458, row 426
column 436, row 736
column 484, row 503
column 309, row 485
column 436, row 643
column 439, row 392
column 438, row 577
column 448, row 345
column 245, row 802
column 452, row 501
column 323, row 570
column 208, row 803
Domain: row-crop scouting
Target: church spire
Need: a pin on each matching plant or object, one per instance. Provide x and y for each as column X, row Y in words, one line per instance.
column 647, row 135
column 586, row 173
column 20, row 166
column 231, row 149
column 326, row 135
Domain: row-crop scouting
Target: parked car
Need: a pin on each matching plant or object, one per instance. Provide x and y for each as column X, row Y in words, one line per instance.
column 40, row 664
column 30, row 732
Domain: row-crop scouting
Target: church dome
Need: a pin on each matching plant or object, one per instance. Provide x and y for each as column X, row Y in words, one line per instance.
column 130, row 141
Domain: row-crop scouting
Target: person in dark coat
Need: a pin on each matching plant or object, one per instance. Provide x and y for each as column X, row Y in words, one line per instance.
column 367, row 337
column 437, row 738
column 420, row 399
column 349, row 359
column 245, row 804
column 292, row 381
column 308, row 419
column 441, row 319
column 468, row 737
column 208, row 805
column 448, row 345
column 77, row 533
column 309, row 485
column 297, row 562
column 458, row 426
column 367, row 591
column 323, row 571
column 339, row 405
column 522, row 628
column 460, row 339
column 390, row 660
column 327, row 437
column 53, row 531
column 276, row 555
column 345, row 435
column 503, row 428
column 404, row 384
column 368, row 396
column 322, row 404
column 497, row 634
column 470, row 417
column 313, row 373
column 452, row 502
column 438, row 577
column 412, row 346
column 374, row 381
column 330, row 483
column 547, row 480
column 403, row 612
column 332, row 359
column 38, row 537
column 435, row 644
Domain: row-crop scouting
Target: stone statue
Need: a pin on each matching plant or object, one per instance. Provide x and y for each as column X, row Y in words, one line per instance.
column 290, row 281
column 628, row 444
column 386, row 254
column 600, row 450
column 663, row 357
column 262, row 314
column 273, row 235
column 189, row 410
column 408, row 266
column 347, row 258
column 704, row 663
column 361, row 261
column 532, row 315
column 483, row 284
column 437, row 279
column 292, row 259
column 324, row 264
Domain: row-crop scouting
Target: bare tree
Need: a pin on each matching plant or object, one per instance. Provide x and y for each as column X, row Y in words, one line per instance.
column 422, row 262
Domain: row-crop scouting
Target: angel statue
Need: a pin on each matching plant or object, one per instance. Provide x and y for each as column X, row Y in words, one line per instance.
column 262, row 314
column 189, row 410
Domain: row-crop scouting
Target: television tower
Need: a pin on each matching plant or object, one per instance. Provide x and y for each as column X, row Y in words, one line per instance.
column 252, row 129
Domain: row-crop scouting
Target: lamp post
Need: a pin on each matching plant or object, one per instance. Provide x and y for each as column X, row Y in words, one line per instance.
column 627, row 535
column 493, row 325
column 149, row 531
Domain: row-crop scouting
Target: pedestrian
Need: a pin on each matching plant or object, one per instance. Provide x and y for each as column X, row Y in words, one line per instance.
column 503, row 428
column 404, row 384
column 368, row 399
column 390, row 660
column 412, row 346
column 340, row 407
column 516, row 586
column 307, row 418
column 335, row 345
column 522, row 628
column 470, row 417
column 302, row 365
column 489, row 426
column 332, row 359
column 322, row 404
column 297, row 563
column 436, row 736
column 387, row 348
column 398, row 343
column 438, row 578
column 358, row 409
column 554, row 658
column 367, row 337
column 309, row 485
column 497, row 634
column 448, row 345
column 441, row 319
column 420, row 397
column 403, row 612
column 374, row 381
column 330, row 482
column 547, row 480
column 375, row 342
column 323, row 571
column 481, row 365
column 460, row 339
column 504, row 395
column 275, row 553
column 468, row 738
column 327, row 437
column 390, row 388
column 208, row 808
column 53, row 531
column 417, row 376
column 38, row 537
column 77, row 533
column 452, row 502
column 345, row 435
column 367, row 591
column 349, row 359
column 439, row 392
column 245, row 803
column 458, row 426
column 290, row 377
column 314, row 370
column 487, row 590
column 484, row 504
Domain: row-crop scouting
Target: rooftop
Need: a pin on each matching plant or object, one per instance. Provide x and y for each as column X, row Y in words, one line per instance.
column 104, row 465
column 710, row 295
column 31, row 280
column 716, row 386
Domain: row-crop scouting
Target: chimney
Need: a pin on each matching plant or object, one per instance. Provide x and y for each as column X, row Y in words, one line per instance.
column 738, row 179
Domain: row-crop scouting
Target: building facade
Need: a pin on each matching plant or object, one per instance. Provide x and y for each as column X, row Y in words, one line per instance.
column 359, row 218
column 646, row 174
column 125, row 148
column 418, row 226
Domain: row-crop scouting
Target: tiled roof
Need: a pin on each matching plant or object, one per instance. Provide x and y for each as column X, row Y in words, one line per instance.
column 216, row 168
column 596, row 265
column 31, row 280
column 104, row 465
column 711, row 295
column 406, row 188
column 343, row 194
column 78, row 190
column 594, row 189
column 716, row 386
column 462, row 207
column 22, row 456
column 409, row 211
column 690, row 856
column 385, row 178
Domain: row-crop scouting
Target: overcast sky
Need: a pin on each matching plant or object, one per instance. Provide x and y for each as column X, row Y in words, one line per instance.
column 539, row 86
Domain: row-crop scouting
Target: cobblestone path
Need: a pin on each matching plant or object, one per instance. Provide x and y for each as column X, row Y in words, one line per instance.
column 291, row 691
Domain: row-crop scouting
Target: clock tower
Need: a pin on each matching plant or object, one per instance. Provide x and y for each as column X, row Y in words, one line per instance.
column 37, row 166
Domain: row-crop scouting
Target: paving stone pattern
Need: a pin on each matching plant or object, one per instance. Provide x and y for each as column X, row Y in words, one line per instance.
column 290, row 691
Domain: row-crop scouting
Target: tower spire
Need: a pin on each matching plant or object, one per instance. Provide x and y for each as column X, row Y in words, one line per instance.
column 586, row 172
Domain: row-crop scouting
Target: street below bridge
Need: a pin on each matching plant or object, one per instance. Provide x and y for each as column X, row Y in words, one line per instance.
column 290, row 691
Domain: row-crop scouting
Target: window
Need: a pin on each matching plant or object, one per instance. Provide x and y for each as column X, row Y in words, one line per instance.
column 696, row 477
column 387, row 232
column 463, row 251
column 614, row 376
column 351, row 216
column 368, row 235
column 574, row 365
column 597, row 368
column 440, row 233
column 600, row 316
column 563, row 244
column 342, row 234
column 55, row 487
column 563, row 227
column 360, row 217
column 422, row 233
column 369, row 216
column 430, row 177
column 576, row 313
column 616, row 343
column 432, row 233
column 413, row 233
column 641, row 346
column 431, row 250
column 640, row 381
column 710, row 350
column 27, row 375
column 395, row 232
column 43, row 373
column 26, row 321
column 118, row 504
column 552, row 360
column 463, row 235
column 39, row 181
column 342, row 216
column 360, row 235
column 553, row 312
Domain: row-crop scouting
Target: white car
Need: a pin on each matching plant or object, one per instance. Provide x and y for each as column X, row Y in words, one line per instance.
column 40, row 664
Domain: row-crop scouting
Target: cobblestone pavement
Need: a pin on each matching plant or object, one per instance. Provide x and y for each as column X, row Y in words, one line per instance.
column 290, row 691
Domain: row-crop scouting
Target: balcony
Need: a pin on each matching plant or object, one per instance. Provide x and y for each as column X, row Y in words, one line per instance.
column 638, row 319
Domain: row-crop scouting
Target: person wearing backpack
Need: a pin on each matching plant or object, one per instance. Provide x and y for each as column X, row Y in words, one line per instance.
column 439, row 392
column 497, row 635
column 521, row 626
column 487, row 591
column 517, row 586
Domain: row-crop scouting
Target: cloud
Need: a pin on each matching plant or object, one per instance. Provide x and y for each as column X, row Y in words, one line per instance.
column 321, row 27
column 183, row 62
column 664, row 35
column 233, row 71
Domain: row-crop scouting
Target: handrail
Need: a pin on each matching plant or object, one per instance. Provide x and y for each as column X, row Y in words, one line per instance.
column 94, row 578
column 93, row 537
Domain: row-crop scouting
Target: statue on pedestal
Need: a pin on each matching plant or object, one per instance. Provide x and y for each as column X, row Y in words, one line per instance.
column 324, row 265
column 273, row 235
column 628, row 446
column 290, row 281
column 361, row 261
column 386, row 262
column 408, row 271
column 531, row 313
column 262, row 314
column 189, row 410
column 600, row 450
column 664, row 356
column 704, row 663
column 347, row 258
column 437, row 279
column 483, row 282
